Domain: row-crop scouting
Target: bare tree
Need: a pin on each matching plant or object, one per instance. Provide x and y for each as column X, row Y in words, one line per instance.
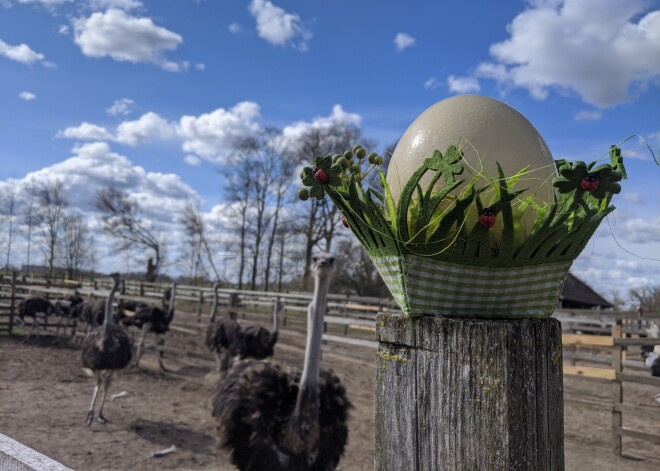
column 355, row 272
column 122, row 221
column 51, row 207
column 647, row 298
column 8, row 210
column 196, row 231
column 75, row 245
column 238, row 194
column 322, row 219
column 30, row 217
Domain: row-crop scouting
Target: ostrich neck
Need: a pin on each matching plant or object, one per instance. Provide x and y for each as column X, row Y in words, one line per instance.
column 315, row 315
column 108, row 320
column 214, row 308
column 172, row 296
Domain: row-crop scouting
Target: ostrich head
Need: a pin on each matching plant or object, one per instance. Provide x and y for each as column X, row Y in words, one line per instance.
column 108, row 319
column 322, row 265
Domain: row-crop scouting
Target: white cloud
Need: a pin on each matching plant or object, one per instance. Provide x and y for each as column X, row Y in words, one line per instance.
column 46, row 3
column 632, row 197
column 291, row 134
column 463, row 84
column 118, row 4
column 21, row 53
column 63, row 29
column 192, row 160
column 588, row 115
column 277, row 26
column 211, row 135
column 605, row 51
column 639, row 230
column 27, row 96
column 199, row 66
column 122, row 107
column 148, row 126
column 403, row 41
column 235, row 28
column 432, row 83
column 85, row 132
column 126, row 38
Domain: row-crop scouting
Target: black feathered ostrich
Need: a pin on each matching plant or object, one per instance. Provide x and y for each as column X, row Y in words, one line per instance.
column 107, row 348
column 156, row 320
column 273, row 419
column 259, row 343
column 36, row 307
column 223, row 336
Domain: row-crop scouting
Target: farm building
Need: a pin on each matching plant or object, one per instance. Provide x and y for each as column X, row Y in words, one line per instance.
column 576, row 294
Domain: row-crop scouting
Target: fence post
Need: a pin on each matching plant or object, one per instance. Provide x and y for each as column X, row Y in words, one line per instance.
column 617, row 389
column 12, row 303
column 233, row 302
column 458, row 394
column 200, row 302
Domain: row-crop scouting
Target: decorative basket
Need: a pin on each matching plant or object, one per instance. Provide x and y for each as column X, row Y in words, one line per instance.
column 434, row 264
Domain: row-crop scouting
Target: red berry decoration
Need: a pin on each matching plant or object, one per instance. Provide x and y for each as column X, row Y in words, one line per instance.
column 590, row 182
column 321, row 176
column 487, row 218
column 344, row 222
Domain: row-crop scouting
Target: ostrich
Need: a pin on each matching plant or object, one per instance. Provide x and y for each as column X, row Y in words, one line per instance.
column 156, row 320
column 274, row 419
column 66, row 306
column 106, row 349
column 36, row 307
column 224, row 336
column 651, row 353
column 91, row 312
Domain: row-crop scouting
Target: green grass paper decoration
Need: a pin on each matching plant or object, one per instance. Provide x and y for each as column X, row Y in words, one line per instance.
column 434, row 264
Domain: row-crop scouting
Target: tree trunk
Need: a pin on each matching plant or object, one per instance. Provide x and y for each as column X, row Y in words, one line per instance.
column 459, row 394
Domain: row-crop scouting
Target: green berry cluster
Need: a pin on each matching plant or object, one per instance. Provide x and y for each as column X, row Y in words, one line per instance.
column 321, row 177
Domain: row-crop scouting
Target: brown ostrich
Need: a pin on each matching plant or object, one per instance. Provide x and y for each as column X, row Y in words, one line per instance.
column 270, row 418
column 107, row 348
column 223, row 336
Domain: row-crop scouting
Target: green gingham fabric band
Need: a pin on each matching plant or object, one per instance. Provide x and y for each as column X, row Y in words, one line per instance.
column 424, row 286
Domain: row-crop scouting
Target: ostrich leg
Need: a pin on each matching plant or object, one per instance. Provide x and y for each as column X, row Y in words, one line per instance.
column 106, row 385
column 145, row 327
column 159, row 354
column 90, row 413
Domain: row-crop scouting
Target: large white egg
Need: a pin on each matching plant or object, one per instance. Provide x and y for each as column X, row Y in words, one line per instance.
column 487, row 131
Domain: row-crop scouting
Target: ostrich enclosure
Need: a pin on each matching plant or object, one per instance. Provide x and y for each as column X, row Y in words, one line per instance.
column 44, row 395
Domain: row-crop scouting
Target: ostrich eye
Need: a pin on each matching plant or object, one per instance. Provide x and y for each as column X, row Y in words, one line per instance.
column 331, row 260
column 315, row 259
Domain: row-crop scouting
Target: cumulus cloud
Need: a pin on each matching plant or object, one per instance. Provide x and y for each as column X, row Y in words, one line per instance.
column 123, row 37
column 292, row 133
column 632, row 197
column 640, row 230
column 192, row 160
column 403, row 41
column 85, row 132
column 588, row 115
column 605, row 51
column 432, row 83
column 27, row 96
column 463, row 84
column 235, row 28
column 121, row 107
column 211, row 135
column 21, row 53
column 277, row 26
column 148, row 126
column 46, row 3
column 63, row 29
column 118, row 4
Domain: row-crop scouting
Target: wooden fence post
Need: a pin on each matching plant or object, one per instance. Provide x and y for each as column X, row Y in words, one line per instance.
column 617, row 389
column 12, row 303
column 233, row 302
column 457, row 394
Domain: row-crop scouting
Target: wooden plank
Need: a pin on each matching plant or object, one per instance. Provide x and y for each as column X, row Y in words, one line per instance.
column 590, row 372
column 645, row 411
column 617, row 390
column 349, row 321
column 650, row 380
column 626, row 432
column 639, row 341
column 593, row 340
column 351, row 341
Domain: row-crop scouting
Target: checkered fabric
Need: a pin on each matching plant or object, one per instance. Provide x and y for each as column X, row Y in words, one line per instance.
column 425, row 286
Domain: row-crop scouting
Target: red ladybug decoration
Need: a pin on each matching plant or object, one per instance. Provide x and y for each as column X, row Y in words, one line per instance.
column 487, row 218
column 590, row 182
column 344, row 222
column 321, row 176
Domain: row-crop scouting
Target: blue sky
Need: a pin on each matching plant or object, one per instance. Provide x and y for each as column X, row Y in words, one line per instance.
column 150, row 95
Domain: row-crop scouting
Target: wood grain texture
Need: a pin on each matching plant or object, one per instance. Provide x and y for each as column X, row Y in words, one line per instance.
column 467, row 394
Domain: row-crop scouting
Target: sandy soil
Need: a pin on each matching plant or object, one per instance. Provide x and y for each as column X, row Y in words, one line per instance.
column 44, row 395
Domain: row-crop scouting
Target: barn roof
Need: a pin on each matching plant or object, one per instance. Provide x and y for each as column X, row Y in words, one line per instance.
column 577, row 291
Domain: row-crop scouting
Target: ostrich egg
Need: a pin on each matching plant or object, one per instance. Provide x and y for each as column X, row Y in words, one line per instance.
column 487, row 131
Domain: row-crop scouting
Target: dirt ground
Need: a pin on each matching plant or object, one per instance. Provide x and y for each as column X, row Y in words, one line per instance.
column 44, row 395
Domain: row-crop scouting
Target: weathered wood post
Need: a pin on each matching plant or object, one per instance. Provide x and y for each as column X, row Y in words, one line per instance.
column 468, row 394
column 12, row 303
